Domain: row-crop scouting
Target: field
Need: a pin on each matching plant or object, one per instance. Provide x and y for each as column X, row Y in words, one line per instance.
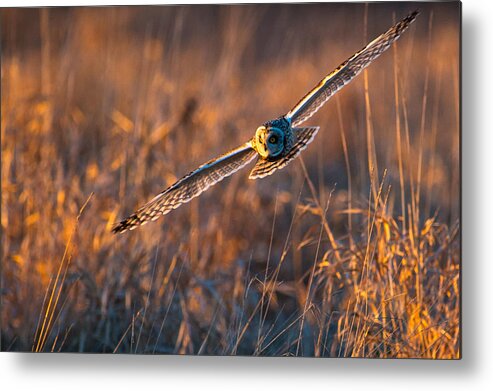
column 351, row 251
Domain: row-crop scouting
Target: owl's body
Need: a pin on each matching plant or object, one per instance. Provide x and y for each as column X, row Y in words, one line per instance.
column 275, row 144
column 281, row 133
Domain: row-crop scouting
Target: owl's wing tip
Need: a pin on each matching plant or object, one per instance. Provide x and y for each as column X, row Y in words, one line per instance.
column 125, row 225
column 411, row 17
column 119, row 228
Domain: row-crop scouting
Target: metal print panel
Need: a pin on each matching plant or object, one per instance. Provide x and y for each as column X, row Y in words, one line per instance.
column 258, row 180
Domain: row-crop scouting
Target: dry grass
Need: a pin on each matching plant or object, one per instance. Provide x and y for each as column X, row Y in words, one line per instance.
column 352, row 251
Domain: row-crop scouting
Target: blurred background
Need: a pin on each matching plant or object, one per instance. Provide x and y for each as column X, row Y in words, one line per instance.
column 353, row 250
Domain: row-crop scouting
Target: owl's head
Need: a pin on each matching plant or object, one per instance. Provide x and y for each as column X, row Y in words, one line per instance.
column 269, row 141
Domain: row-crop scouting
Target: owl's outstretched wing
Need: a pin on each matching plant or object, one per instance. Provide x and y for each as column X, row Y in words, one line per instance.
column 263, row 167
column 189, row 187
column 343, row 74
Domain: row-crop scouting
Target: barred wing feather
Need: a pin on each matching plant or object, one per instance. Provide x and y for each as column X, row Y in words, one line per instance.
column 304, row 136
column 189, row 187
column 343, row 74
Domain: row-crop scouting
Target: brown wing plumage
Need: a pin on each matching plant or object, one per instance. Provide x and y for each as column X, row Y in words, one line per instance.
column 189, row 187
column 343, row 74
column 264, row 167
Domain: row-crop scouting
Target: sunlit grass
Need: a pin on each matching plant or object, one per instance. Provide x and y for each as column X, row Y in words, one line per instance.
column 352, row 251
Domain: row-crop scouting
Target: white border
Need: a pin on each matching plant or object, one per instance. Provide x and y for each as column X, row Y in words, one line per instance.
column 473, row 372
column 59, row 3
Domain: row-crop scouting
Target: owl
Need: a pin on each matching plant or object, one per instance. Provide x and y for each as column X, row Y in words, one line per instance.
column 275, row 144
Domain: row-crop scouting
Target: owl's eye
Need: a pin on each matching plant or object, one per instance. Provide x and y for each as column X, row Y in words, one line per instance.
column 273, row 139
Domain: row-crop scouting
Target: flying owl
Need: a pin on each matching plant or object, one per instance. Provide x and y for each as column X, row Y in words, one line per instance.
column 275, row 144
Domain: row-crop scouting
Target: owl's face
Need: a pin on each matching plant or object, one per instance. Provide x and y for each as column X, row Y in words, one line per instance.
column 269, row 141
